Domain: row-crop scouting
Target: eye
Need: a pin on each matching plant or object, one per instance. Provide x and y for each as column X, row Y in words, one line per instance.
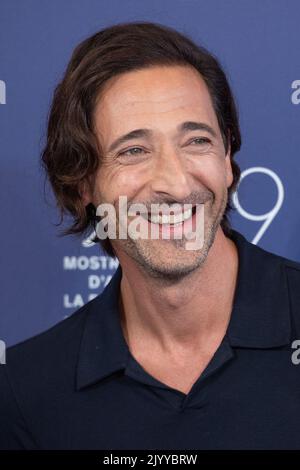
column 201, row 141
column 131, row 151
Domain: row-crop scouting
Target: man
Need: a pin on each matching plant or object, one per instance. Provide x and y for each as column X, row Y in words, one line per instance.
column 184, row 349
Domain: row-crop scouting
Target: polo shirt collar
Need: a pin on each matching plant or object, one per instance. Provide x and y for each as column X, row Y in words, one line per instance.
column 259, row 319
column 261, row 309
column 103, row 348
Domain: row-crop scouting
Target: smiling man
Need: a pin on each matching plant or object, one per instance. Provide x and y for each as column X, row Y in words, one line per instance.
column 185, row 348
column 161, row 143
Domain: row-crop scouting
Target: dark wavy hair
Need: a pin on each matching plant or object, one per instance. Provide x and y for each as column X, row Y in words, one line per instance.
column 72, row 152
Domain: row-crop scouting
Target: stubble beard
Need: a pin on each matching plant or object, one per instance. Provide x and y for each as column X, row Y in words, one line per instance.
column 147, row 257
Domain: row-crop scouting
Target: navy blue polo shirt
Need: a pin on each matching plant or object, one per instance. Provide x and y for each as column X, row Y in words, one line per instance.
column 77, row 386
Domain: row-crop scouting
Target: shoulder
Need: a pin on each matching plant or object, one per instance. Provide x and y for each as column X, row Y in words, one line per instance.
column 50, row 344
column 272, row 260
column 286, row 275
column 34, row 368
column 292, row 267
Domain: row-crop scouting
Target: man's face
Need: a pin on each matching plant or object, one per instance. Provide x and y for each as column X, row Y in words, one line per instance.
column 165, row 165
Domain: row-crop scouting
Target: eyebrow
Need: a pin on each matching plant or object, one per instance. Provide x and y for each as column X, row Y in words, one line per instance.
column 140, row 133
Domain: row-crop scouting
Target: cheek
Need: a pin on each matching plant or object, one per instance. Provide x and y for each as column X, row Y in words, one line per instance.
column 128, row 181
column 118, row 181
column 211, row 171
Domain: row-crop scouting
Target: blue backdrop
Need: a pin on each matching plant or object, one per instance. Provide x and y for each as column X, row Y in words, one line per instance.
column 45, row 278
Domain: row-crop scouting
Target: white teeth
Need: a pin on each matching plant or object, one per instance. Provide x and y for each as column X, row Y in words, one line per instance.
column 171, row 219
column 155, row 219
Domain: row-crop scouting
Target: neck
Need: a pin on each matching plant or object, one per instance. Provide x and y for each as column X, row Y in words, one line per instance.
column 191, row 313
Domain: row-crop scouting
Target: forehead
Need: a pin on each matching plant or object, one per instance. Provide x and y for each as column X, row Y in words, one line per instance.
column 153, row 97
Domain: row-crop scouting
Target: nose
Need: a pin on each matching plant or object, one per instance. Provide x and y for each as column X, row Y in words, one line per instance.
column 169, row 175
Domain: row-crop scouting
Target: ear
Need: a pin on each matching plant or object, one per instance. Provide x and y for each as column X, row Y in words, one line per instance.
column 228, row 167
column 85, row 192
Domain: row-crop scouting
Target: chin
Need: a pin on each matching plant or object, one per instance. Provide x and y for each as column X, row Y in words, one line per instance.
column 171, row 265
column 170, row 273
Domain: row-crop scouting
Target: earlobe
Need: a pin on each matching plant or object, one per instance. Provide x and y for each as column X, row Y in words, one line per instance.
column 85, row 193
column 229, row 174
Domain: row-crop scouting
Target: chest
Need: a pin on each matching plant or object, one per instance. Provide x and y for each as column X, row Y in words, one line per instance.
column 177, row 374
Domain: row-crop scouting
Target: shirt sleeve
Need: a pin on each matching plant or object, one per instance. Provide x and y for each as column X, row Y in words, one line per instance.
column 14, row 434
